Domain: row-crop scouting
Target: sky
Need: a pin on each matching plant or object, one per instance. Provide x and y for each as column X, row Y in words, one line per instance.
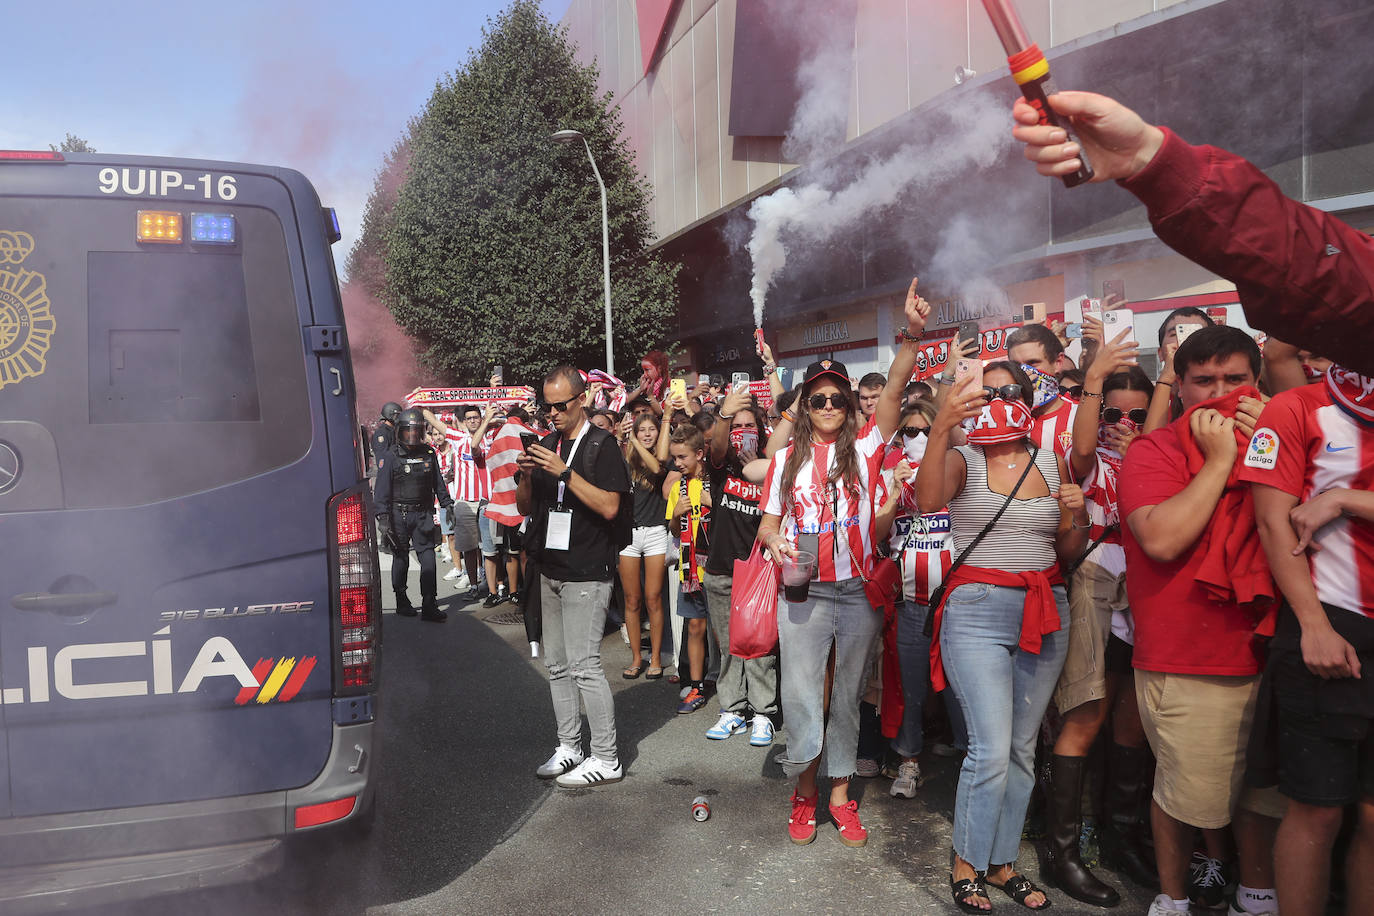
column 322, row 87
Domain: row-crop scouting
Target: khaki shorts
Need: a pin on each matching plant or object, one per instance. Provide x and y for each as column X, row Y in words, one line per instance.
column 1198, row 726
column 1094, row 594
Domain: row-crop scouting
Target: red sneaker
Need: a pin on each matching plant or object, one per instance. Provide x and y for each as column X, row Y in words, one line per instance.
column 846, row 818
column 801, row 826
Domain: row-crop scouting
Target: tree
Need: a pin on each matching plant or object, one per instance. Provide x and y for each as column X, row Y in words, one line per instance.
column 493, row 249
column 73, row 144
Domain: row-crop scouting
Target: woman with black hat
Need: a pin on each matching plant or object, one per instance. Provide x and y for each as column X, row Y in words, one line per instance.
column 818, row 500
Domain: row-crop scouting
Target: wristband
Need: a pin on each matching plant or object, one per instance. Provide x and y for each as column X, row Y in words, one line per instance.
column 1092, row 394
column 1078, row 527
column 905, row 335
column 726, row 416
column 789, row 417
column 945, row 380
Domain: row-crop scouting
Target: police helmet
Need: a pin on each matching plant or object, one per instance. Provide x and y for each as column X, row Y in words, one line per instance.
column 410, row 428
column 390, row 411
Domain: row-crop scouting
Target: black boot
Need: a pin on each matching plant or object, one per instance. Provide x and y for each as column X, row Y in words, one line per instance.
column 403, row 606
column 1067, row 870
column 1121, row 835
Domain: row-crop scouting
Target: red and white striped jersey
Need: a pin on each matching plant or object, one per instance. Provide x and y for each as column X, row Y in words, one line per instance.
column 923, row 544
column 1055, row 429
column 812, row 511
column 470, row 481
column 1100, row 492
column 1305, row 445
column 501, row 468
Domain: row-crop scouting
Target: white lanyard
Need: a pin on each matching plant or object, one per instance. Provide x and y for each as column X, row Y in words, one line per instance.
column 577, row 440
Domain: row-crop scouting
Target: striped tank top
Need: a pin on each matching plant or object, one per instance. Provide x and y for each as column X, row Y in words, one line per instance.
column 1023, row 538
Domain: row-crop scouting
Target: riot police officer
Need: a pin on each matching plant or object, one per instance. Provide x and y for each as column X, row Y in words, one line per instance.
column 408, row 482
column 384, row 439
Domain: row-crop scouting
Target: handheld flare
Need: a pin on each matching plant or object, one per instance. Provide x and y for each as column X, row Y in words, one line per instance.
column 1032, row 73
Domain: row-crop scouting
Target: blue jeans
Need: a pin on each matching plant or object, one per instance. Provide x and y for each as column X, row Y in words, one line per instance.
column 834, row 614
column 1002, row 692
column 913, row 654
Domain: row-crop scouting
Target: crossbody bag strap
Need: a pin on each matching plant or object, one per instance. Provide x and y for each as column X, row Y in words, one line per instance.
column 1097, row 542
column 963, row 554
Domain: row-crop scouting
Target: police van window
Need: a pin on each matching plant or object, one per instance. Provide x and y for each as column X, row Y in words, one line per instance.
column 169, row 369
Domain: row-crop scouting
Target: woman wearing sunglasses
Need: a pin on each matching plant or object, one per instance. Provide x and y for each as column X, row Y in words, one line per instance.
column 1097, row 681
column 818, row 497
column 1002, row 632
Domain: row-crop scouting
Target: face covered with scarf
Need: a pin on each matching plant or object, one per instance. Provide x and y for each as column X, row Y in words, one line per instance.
column 1044, row 388
column 1001, row 421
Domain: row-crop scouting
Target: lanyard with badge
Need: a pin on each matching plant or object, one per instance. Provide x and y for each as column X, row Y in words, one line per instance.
column 558, row 535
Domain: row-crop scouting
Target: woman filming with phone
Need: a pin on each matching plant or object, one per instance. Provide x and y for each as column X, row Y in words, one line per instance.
column 819, row 525
column 1001, row 616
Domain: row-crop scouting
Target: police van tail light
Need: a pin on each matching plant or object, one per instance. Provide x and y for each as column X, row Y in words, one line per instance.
column 355, row 592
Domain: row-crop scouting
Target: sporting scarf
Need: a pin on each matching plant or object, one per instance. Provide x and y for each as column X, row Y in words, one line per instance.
column 1001, row 421
column 914, row 448
column 1104, row 428
column 1044, row 388
column 1352, row 393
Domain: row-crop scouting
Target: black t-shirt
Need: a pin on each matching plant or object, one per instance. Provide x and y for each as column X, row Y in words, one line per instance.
column 591, row 553
column 650, row 507
column 735, row 515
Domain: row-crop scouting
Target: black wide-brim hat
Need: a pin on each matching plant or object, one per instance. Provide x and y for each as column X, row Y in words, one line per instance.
column 827, row 367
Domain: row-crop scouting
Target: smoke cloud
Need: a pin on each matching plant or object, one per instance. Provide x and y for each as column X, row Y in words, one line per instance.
column 814, row 214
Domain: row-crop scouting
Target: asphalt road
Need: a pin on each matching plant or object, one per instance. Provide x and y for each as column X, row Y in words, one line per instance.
column 464, row 827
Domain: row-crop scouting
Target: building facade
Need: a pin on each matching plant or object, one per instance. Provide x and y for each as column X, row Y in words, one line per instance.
column 727, row 101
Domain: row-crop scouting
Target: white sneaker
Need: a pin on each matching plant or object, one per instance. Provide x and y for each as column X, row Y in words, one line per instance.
column 445, row 555
column 592, row 772
column 563, row 760
column 452, row 574
column 908, row 780
column 1163, row 905
column 728, row 724
column 761, row 735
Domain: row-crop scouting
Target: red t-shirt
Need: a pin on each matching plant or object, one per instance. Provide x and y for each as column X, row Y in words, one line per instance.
column 1304, row 445
column 1177, row 627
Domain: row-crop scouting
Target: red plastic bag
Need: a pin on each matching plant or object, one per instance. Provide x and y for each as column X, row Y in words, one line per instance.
column 754, row 605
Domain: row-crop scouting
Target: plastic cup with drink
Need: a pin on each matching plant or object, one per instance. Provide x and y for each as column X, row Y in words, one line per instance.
column 797, row 573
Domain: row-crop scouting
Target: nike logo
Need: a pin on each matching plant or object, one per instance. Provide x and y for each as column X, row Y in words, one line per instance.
column 1338, row 448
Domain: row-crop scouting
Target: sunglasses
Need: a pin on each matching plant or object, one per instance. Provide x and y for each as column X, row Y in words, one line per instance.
column 560, row 406
column 837, row 401
column 914, row 431
column 1073, row 391
column 1006, row 393
column 1112, row 415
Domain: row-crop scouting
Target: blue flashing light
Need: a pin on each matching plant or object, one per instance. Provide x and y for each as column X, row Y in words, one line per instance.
column 214, row 228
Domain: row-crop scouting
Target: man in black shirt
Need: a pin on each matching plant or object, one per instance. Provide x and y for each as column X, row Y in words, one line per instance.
column 572, row 486
column 408, row 484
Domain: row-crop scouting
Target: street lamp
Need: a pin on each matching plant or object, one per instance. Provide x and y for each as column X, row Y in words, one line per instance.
column 572, row 136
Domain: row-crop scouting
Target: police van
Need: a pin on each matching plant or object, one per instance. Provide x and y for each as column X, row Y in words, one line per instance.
column 189, row 593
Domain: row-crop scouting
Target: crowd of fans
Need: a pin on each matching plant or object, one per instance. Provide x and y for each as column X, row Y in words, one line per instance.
column 1154, row 595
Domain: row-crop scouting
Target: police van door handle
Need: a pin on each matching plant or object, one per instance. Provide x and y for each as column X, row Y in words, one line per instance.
column 63, row 603
column 338, row 381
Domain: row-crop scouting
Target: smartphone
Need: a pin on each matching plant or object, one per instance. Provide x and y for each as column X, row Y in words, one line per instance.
column 1114, row 287
column 1092, row 307
column 1182, row 331
column 966, row 368
column 703, row 380
column 1116, row 321
column 1033, row 313
column 968, row 330
column 678, row 388
column 528, row 438
column 1074, row 330
column 717, row 380
column 498, row 374
column 738, row 377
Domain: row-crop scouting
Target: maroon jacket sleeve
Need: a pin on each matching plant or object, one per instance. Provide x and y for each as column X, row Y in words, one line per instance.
column 1303, row 275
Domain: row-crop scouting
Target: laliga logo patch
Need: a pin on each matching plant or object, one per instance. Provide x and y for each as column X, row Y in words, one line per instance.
column 1263, row 452
column 26, row 324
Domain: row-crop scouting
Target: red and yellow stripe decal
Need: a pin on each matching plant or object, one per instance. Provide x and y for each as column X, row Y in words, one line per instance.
column 1028, row 65
column 278, row 679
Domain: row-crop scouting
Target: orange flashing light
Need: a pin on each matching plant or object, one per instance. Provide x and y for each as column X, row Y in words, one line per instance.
column 159, row 226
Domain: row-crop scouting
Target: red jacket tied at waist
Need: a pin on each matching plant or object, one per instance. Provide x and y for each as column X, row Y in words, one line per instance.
column 1234, row 569
column 1039, row 615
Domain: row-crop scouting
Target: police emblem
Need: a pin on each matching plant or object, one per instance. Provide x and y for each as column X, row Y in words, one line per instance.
column 26, row 323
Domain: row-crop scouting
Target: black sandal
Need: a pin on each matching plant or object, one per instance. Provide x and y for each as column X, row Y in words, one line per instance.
column 966, row 888
column 1018, row 887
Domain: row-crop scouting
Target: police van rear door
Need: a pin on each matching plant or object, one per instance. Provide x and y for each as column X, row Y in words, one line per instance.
column 164, row 472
